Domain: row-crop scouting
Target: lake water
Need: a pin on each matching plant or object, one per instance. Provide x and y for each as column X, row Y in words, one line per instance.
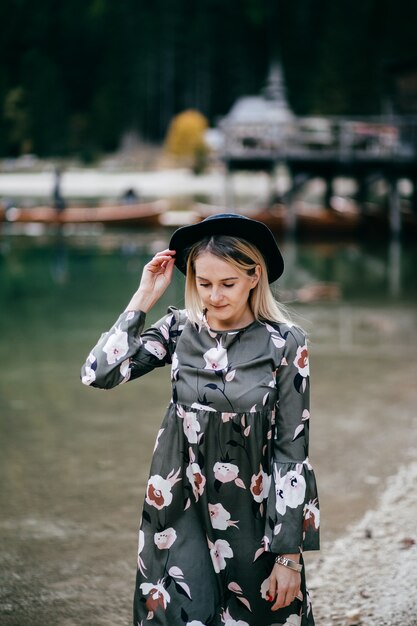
column 74, row 461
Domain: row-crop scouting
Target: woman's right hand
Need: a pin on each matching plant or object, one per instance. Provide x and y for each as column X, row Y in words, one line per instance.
column 156, row 277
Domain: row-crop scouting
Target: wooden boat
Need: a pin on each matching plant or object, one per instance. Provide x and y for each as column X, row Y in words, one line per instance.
column 318, row 221
column 376, row 222
column 139, row 214
column 308, row 220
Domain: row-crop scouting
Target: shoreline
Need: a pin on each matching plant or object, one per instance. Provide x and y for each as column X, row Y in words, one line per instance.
column 368, row 577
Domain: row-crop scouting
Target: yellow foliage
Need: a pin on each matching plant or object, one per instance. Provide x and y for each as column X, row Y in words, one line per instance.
column 185, row 137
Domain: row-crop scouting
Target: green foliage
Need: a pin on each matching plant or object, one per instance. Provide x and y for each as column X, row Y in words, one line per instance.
column 75, row 75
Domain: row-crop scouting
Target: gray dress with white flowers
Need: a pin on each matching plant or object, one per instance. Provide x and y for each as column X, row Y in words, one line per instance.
column 230, row 484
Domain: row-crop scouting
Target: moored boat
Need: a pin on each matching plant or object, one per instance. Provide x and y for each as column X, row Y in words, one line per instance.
column 138, row 214
column 307, row 220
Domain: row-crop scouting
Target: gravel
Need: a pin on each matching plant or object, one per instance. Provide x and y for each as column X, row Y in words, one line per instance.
column 368, row 577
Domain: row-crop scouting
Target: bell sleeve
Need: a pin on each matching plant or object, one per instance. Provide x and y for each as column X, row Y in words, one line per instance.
column 127, row 351
column 293, row 516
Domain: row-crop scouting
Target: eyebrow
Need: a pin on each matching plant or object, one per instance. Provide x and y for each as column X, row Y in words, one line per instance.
column 221, row 280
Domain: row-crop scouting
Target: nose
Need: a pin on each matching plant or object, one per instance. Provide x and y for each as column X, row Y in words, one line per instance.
column 215, row 295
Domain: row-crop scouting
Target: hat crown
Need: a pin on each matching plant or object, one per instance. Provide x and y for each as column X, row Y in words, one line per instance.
column 232, row 225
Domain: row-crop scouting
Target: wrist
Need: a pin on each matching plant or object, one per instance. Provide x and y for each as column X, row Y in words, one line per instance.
column 285, row 561
column 141, row 301
column 294, row 556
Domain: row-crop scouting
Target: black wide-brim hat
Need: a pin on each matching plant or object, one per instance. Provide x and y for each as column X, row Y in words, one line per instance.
column 232, row 225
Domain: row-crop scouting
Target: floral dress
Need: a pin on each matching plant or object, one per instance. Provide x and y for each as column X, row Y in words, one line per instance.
column 230, row 483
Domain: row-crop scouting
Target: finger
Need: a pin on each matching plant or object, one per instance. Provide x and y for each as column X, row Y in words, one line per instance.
column 159, row 262
column 280, row 601
column 159, row 258
column 272, row 589
column 169, row 269
column 166, row 252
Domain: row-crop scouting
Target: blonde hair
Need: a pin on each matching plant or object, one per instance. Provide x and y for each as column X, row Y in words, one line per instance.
column 244, row 256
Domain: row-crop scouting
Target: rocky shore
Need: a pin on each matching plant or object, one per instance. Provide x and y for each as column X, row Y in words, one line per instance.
column 369, row 576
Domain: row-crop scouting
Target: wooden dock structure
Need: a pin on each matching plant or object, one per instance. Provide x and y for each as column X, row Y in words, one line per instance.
column 366, row 149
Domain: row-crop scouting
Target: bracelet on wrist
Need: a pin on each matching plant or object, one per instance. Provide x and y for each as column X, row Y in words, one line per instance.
column 283, row 560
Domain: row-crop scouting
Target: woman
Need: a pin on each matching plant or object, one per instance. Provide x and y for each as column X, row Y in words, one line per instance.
column 231, row 501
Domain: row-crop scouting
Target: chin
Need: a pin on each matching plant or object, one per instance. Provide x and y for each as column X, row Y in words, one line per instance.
column 221, row 312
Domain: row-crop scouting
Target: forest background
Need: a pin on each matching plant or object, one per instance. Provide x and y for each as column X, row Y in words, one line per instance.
column 77, row 75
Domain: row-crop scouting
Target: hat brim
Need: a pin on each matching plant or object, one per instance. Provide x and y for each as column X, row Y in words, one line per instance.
column 233, row 225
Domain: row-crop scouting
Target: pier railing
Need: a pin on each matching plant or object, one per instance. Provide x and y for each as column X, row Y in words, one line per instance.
column 322, row 138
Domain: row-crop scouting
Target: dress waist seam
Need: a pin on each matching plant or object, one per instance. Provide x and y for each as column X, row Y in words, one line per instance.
column 267, row 410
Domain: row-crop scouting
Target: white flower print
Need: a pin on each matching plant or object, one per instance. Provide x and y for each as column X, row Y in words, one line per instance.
column 116, row 346
column 158, row 595
column 301, row 361
column 225, row 472
column 158, row 491
column 165, row 538
column 196, row 478
column 219, row 517
column 195, row 623
column 191, row 426
column 230, row 376
column 311, row 514
column 174, row 367
column 265, row 589
column 290, row 490
column 277, row 340
column 216, row 358
column 141, row 544
column 264, row 548
column 226, row 417
column 156, row 348
column 125, row 370
column 130, row 315
column 219, row 551
column 293, row 620
column 160, row 431
column 202, row 407
column 228, row 620
column 259, row 486
column 164, row 328
column 90, row 374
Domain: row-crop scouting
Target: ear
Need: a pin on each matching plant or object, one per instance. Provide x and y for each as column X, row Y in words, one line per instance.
column 256, row 276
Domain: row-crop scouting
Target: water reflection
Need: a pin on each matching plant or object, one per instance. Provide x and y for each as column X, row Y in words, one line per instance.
column 394, row 267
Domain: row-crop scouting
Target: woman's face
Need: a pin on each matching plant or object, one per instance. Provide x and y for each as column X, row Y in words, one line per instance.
column 224, row 292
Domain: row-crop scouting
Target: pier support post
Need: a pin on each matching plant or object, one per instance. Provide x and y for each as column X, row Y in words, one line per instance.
column 291, row 218
column 394, row 209
column 228, row 190
column 414, row 197
column 328, row 193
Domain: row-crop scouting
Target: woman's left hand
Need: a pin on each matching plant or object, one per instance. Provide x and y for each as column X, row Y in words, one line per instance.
column 284, row 584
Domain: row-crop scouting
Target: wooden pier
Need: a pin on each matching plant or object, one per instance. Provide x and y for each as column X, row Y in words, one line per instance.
column 365, row 149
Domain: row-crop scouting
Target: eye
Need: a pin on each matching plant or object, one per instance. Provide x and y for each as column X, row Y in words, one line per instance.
column 204, row 284
column 228, row 286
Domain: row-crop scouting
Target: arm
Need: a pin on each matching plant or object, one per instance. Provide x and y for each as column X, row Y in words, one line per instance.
column 293, row 505
column 125, row 352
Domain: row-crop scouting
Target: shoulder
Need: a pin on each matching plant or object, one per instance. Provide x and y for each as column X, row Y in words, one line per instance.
column 177, row 317
column 292, row 335
column 172, row 324
column 291, row 340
